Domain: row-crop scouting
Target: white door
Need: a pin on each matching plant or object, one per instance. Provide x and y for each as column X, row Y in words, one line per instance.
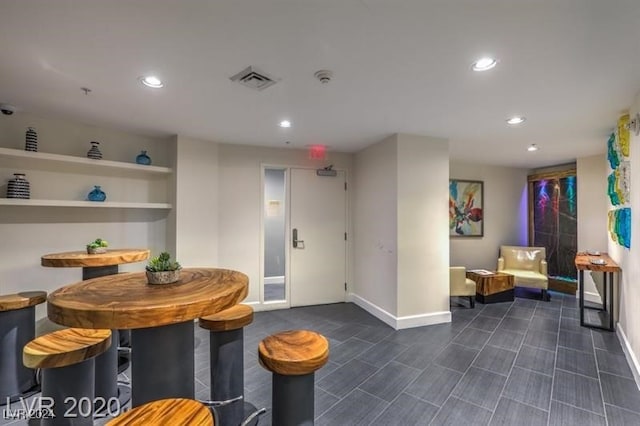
column 318, row 238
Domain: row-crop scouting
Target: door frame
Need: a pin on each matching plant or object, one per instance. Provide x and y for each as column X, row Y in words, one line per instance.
column 272, row 305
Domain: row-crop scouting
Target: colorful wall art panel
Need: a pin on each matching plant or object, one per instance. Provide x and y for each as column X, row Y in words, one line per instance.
column 466, row 215
column 555, row 224
column 618, row 183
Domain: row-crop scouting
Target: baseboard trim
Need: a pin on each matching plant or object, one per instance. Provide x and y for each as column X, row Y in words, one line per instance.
column 274, row 280
column 373, row 309
column 399, row 323
column 629, row 354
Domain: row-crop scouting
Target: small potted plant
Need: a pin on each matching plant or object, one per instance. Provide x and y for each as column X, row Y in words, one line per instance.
column 162, row 270
column 97, row 246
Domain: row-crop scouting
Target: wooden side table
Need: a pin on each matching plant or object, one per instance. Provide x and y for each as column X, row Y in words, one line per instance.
column 585, row 262
column 492, row 288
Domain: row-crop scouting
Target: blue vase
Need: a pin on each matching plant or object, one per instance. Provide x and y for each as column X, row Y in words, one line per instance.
column 143, row 158
column 97, row 194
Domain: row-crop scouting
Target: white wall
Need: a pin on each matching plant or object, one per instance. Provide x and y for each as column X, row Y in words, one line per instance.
column 240, row 208
column 593, row 205
column 505, row 213
column 374, row 222
column 400, row 220
column 629, row 318
column 423, row 236
column 195, row 213
column 27, row 233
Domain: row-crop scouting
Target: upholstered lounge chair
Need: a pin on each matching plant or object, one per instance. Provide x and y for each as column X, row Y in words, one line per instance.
column 527, row 265
column 460, row 285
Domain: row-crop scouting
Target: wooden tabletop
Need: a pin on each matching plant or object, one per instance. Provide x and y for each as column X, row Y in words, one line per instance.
column 294, row 352
column 583, row 261
column 75, row 259
column 174, row 412
column 126, row 301
column 24, row 299
column 65, row 347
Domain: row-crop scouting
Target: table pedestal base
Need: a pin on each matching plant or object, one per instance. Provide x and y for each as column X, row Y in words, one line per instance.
column 162, row 363
column 503, row 296
column 17, row 328
column 89, row 272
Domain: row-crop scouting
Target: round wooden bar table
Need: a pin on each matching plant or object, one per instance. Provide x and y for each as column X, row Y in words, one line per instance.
column 97, row 265
column 160, row 318
column 94, row 265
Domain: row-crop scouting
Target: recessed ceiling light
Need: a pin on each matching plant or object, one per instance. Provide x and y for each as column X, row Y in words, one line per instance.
column 285, row 123
column 484, row 64
column 152, row 81
column 532, row 147
column 515, row 120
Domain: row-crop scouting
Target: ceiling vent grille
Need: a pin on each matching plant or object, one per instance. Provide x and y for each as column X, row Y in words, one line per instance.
column 253, row 78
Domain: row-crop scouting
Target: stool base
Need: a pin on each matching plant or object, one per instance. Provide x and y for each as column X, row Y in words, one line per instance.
column 293, row 400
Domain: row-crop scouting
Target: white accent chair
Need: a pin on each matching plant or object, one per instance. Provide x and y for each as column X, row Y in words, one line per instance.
column 460, row 285
column 527, row 265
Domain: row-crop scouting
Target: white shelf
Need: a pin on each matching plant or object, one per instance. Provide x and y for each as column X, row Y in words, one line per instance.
column 90, row 204
column 28, row 159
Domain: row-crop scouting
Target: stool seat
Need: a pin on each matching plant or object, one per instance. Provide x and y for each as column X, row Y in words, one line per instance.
column 65, row 347
column 233, row 318
column 174, row 412
column 24, row 299
column 294, row 353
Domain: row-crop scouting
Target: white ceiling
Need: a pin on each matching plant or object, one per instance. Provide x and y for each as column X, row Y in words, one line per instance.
column 570, row 66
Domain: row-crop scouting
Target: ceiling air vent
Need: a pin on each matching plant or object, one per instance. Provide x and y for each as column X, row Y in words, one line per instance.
column 253, row 78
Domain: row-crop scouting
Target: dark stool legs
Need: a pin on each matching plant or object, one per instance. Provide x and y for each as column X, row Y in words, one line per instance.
column 293, row 400
column 72, row 391
column 17, row 328
column 227, row 373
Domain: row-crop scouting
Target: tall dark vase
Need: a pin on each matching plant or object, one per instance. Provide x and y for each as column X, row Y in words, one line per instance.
column 31, row 140
column 94, row 153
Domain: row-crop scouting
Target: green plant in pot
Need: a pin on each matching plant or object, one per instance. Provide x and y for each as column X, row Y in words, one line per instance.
column 162, row 270
column 97, row 246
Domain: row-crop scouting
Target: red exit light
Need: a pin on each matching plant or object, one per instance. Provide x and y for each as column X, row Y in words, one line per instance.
column 317, row 152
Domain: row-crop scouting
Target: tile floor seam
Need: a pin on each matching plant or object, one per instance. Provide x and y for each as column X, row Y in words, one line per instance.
column 595, row 356
column 620, row 408
column 553, row 377
column 510, row 370
column 577, row 374
column 576, row 407
column 524, row 403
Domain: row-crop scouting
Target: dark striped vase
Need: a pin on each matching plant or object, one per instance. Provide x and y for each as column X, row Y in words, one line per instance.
column 94, row 153
column 31, row 140
column 18, row 187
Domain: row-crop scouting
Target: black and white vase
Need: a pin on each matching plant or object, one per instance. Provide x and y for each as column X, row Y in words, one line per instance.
column 31, row 140
column 94, row 153
column 18, row 187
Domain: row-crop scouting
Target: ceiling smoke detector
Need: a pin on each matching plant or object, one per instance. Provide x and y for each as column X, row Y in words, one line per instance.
column 324, row 76
column 254, row 78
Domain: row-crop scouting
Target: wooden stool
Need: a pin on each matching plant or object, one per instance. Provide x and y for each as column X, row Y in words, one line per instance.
column 174, row 412
column 226, row 346
column 293, row 357
column 66, row 358
column 17, row 328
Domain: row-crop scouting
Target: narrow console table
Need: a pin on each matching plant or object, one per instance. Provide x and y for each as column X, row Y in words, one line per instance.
column 585, row 262
column 492, row 288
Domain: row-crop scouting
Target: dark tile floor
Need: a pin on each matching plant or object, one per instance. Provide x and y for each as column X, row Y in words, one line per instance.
column 520, row 363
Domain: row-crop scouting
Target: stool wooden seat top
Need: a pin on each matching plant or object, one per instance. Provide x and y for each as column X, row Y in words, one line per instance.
column 65, row 347
column 24, row 299
column 174, row 412
column 71, row 259
column 230, row 319
column 294, row 352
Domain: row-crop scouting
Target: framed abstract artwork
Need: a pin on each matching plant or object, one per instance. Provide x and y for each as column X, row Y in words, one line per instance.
column 466, row 211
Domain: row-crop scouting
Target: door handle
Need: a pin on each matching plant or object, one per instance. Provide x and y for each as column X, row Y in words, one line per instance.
column 296, row 242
